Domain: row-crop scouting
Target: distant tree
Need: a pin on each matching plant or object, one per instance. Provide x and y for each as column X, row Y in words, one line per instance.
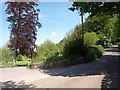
column 5, row 55
column 23, row 18
column 117, row 30
column 47, row 50
column 72, row 35
column 97, row 23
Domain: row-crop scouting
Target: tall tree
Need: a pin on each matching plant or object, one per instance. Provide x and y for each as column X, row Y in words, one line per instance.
column 23, row 18
column 75, row 6
column 93, row 8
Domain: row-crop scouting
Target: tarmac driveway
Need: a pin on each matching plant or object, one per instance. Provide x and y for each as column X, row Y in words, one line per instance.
column 102, row 73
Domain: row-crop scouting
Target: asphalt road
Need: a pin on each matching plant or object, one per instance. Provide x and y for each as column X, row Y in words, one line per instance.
column 103, row 73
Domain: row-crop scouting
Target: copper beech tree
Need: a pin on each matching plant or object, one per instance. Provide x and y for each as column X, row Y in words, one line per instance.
column 23, row 18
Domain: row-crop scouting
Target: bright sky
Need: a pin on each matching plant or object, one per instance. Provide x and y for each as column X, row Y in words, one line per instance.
column 55, row 18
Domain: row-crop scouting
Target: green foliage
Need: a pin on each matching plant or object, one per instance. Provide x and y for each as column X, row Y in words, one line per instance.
column 93, row 52
column 104, row 41
column 48, row 50
column 102, row 18
column 96, row 7
column 91, row 56
column 96, row 23
column 116, row 32
column 19, row 58
column 6, row 58
column 5, row 55
column 73, row 43
column 105, row 27
column 99, row 50
column 101, row 23
column 73, row 48
column 71, row 35
column 90, row 38
column 23, row 62
column 119, row 45
column 110, row 27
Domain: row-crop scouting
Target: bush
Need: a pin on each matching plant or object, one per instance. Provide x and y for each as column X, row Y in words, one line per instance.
column 91, row 56
column 74, row 47
column 90, row 38
column 104, row 41
column 93, row 52
column 74, row 44
column 99, row 50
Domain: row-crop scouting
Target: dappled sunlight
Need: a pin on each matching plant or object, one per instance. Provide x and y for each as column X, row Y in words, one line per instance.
column 13, row 84
column 110, row 81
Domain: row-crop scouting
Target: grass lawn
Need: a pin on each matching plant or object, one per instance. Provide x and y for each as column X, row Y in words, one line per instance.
column 22, row 63
column 18, row 63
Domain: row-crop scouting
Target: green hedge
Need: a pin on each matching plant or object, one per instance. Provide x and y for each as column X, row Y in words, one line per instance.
column 93, row 52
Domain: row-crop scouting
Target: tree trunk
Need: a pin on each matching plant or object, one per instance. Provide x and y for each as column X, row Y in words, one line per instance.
column 14, row 57
column 82, row 27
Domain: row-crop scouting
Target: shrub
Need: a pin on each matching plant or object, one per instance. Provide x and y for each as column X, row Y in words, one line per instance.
column 90, row 56
column 104, row 41
column 93, row 52
column 90, row 38
column 98, row 49
column 74, row 47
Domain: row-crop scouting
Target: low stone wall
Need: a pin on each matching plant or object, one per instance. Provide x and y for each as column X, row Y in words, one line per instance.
column 56, row 64
column 35, row 66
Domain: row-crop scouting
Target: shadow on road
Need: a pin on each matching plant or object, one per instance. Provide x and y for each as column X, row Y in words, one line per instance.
column 12, row 84
column 110, row 81
column 107, row 65
column 114, row 49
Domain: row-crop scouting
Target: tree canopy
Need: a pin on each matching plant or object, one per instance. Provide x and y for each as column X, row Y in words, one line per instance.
column 23, row 18
column 97, row 7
